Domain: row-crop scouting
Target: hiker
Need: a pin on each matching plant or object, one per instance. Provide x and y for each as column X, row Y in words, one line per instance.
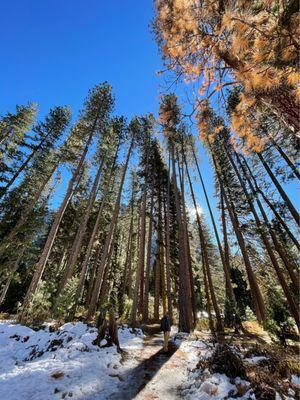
column 165, row 326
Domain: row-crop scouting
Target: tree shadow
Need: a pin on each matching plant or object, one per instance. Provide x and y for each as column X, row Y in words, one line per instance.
column 137, row 378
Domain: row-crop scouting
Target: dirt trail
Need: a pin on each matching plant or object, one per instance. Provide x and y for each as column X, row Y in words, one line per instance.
column 157, row 375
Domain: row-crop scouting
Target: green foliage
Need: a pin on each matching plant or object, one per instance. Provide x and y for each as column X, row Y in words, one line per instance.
column 66, row 300
column 40, row 305
column 278, row 320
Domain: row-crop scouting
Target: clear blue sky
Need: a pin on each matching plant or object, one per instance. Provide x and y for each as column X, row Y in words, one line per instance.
column 53, row 51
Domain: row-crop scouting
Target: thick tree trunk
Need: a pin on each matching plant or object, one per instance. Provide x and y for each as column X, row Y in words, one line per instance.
column 167, row 241
column 157, row 283
column 185, row 305
column 160, row 230
column 186, row 235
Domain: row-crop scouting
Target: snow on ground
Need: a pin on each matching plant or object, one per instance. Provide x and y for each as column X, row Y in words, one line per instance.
column 62, row 364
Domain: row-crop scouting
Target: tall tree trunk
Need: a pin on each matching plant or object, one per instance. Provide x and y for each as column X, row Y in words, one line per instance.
column 206, row 289
column 26, row 211
column 229, row 290
column 255, row 290
column 148, row 264
column 40, row 266
column 186, row 235
column 205, row 263
column 167, row 241
column 278, row 247
column 270, row 205
column 98, row 281
column 76, row 246
column 85, row 263
column 4, row 190
column 285, row 157
column 141, row 258
column 104, row 286
column 157, row 282
column 280, row 189
column 11, row 275
column 160, row 229
column 225, row 262
column 185, row 305
column 265, row 240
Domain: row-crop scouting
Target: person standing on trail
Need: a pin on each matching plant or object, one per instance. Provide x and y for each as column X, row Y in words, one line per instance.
column 165, row 326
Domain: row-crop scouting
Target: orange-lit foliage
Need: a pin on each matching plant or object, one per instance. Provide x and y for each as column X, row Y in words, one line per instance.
column 256, row 42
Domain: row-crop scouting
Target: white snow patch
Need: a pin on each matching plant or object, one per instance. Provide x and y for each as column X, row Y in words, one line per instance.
column 255, row 359
column 29, row 358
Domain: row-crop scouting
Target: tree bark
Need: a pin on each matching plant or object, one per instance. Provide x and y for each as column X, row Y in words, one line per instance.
column 148, row 264
column 98, row 281
column 167, row 241
column 75, row 249
column 280, row 189
column 185, row 305
column 255, row 290
column 141, row 259
column 40, row 266
column 225, row 261
column 205, row 262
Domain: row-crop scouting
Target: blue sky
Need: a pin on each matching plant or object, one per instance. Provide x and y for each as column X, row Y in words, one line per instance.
column 53, row 51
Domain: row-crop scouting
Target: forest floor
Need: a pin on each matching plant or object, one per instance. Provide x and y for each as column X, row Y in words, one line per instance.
column 62, row 362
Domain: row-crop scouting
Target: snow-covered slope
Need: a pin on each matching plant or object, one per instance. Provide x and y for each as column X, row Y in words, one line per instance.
column 41, row 364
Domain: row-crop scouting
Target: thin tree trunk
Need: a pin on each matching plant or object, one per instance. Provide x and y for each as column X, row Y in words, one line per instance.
column 257, row 298
column 141, row 259
column 265, row 240
column 276, row 243
column 84, row 266
column 148, row 264
column 104, row 287
column 285, row 157
column 225, row 262
column 40, row 266
column 23, row 166
column 280, row 189
column 205, row 261
column 97, row 287
column 11, row 275
column 75, row 249
column 255, row 290
column 26, row 211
